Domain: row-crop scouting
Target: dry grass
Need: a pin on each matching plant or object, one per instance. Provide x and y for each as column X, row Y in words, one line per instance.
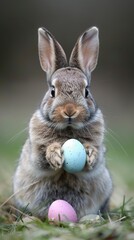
column 118, row 224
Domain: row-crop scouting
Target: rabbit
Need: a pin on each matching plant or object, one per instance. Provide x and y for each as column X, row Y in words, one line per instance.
column 68, row 110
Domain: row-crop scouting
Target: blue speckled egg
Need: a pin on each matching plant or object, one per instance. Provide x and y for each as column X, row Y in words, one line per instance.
column 74, row 156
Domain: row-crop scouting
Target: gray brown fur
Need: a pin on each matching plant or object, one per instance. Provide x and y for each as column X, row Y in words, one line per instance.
column 39, row 178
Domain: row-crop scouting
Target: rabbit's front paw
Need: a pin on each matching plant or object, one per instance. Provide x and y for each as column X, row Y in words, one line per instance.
column 92, row 154
column 54, row 156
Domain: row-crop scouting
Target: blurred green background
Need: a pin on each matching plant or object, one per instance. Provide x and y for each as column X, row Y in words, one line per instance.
column 22, row 82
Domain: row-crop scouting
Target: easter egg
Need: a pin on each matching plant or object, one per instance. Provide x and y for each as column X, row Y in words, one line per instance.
column 74, row 156
column 62, row 211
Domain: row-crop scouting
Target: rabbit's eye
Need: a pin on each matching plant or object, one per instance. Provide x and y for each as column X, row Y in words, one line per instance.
column 86, row 92
column 53, row 92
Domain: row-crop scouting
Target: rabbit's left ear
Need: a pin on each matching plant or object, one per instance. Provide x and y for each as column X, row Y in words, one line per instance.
column 85, row 52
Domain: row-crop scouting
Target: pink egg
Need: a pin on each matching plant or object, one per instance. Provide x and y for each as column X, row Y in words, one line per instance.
column 62, row 211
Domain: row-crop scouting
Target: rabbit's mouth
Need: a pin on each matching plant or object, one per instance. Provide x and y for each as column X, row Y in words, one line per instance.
column 68, row 125
column 70, row 115
column 71, row 122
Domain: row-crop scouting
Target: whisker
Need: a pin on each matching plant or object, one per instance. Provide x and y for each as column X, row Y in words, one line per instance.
column 12, row 139
column 111, row 133
column 27, row 186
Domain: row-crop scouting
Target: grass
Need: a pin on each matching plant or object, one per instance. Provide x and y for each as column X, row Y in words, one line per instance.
column 117, row 224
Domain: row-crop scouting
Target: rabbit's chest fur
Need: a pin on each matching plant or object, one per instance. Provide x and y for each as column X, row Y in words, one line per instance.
column 44, row 135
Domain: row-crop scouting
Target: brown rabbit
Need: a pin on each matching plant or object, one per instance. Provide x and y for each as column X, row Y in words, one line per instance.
column 67, row 111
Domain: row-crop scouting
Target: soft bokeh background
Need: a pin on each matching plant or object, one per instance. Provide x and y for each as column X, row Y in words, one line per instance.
column 22, row 82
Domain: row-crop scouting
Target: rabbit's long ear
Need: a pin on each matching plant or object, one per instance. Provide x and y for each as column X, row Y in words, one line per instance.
column 85, row 52
column 51, row 54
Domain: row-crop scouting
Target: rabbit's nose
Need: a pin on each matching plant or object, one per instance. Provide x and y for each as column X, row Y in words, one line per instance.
column 70, row 110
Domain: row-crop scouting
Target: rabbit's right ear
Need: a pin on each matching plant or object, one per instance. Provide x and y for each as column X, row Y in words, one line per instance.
column 51, row 54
